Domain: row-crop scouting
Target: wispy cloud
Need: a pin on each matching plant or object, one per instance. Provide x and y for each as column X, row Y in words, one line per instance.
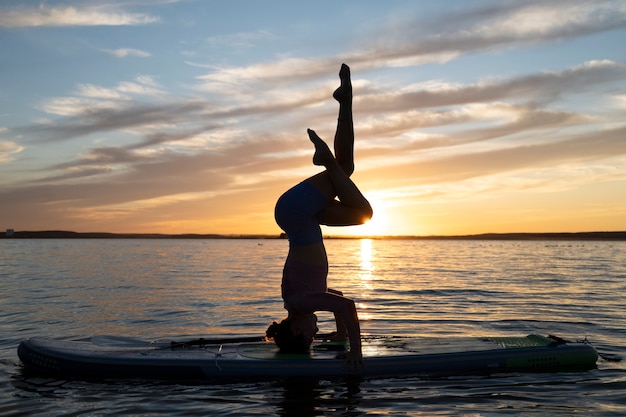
column 241, row 39
column 414, row 42
column 8, row 150
column 531, row 93
column 500, row 25
column 127, row 52
column 89, row 98
column 117, row 116
column 75, row 15
column 510, row 106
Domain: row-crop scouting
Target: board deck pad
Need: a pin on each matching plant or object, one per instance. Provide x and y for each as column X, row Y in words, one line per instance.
column 390, row 346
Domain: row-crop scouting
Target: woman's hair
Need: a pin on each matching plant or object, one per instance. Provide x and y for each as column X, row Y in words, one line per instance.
column 286, row 341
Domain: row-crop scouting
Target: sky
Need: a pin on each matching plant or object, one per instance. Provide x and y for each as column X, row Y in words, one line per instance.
column 190, row 116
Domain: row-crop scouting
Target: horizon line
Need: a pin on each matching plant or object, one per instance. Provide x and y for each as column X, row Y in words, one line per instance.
column 64, row 234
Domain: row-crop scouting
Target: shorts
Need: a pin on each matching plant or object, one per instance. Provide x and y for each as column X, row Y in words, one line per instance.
column 296, row 213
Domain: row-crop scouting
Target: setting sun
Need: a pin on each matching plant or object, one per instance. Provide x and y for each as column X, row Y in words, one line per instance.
column 378, row 225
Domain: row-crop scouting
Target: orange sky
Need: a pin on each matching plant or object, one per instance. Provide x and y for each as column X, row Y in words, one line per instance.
column 164, row 118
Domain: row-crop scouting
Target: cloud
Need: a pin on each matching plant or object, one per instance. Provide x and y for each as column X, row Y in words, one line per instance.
column 143, row 178
column 8, row 150
column 502, row 120
column 127, row 52
column 414, row 42
column 497, row 107
column 531, row 19
column 542, row 87
column 118, row 116
column 572, row 149
column 241, row 39
column 84, row 15
column 142, row 86
column 508, row 106
column 95, row 108
column 500, row 25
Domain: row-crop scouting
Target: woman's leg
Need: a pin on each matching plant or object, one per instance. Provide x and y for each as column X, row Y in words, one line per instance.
column 352, row 207
column 344, row 135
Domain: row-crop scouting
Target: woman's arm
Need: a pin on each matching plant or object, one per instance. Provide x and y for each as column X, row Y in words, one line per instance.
column 345, row 311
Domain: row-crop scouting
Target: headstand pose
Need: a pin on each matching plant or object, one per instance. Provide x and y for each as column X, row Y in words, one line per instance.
column 328, row 198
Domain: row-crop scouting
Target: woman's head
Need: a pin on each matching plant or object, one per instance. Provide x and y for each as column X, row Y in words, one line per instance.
column 294, row 334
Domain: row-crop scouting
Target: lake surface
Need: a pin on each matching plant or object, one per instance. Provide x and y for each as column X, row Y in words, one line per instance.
column 156, row 289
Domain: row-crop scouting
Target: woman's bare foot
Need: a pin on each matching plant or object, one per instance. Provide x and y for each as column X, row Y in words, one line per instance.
column 343, row 94
column 323, row 156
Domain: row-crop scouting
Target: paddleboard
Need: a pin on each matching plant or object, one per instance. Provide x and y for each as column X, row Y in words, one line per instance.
column 120, row 357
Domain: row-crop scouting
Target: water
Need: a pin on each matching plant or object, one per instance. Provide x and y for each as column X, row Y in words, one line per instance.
column 154, row 289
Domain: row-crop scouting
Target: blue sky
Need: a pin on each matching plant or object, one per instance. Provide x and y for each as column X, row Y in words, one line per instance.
column 190, row 116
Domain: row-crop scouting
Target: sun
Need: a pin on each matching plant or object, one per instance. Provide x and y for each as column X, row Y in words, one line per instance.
column 378, row 225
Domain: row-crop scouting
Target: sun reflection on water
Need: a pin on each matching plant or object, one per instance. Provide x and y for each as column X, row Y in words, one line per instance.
column 367, row 267
column 366, row 279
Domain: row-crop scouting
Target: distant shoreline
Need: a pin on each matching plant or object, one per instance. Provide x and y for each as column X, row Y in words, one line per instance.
column 61, row 234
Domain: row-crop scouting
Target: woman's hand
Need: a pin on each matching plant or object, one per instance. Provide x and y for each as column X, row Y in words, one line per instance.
column 354, row 362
